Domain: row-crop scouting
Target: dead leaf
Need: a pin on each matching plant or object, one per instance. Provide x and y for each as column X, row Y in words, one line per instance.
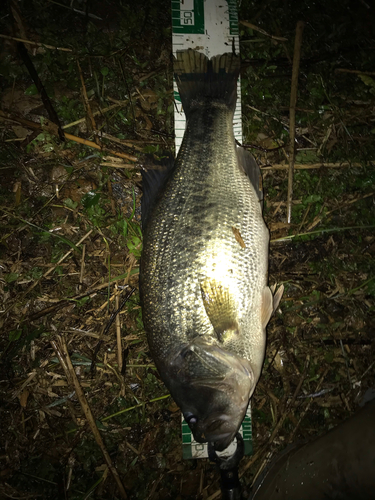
column 238, row 237
column 23, row 398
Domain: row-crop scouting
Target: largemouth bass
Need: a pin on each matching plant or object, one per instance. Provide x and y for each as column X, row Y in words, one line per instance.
column 204, row 265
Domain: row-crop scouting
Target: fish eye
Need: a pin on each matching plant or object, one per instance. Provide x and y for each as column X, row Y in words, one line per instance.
column 191, row 419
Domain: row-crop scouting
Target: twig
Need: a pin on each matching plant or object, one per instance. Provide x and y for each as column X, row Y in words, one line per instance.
column 353, row 290
column 107, row 301
column 317, row 219
column 350, row 202
column 61, row 350
column 308, row 166
column 149, row 75
column 118, row 375
column 344, row 355
column 252, row 460
column 325, row 139
column 367, row 370
column 320, row 231
column 322, row 378
column 17, row 20
column 106, row 327
column 304, row 218
column 86, row 99
column 155, row 485
column 83, row 13
column 214, row 495
column 283, row 416
column 133, row 407
column 40, row 87
column 35, row 283
column 118, row 310
column 91, row 144
column 68, row 301
column 62, row 359
column 292, row 114
column 57, row 263
column 95, row 113
column 82, row 266
column 50, row 309
column 118, row 336
column 256, row 28
column 118, row 165
column 132, row 448
column 354, row 71
column 124, row 142
column 70, row 137
column 37, row 44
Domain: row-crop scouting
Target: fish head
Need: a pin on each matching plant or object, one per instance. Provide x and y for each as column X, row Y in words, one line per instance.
column 212, row 388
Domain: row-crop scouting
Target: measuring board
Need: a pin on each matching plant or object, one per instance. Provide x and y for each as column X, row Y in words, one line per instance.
column 210, row 27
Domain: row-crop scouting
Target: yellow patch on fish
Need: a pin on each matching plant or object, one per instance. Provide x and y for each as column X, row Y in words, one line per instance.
column 220, row 308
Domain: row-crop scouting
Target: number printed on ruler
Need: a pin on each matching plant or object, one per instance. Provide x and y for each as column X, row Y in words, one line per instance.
column 187, row 12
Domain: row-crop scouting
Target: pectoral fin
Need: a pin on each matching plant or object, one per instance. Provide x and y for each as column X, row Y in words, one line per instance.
column 277, row 296
column 267, row 306
column 220, row 308
column 270, row 302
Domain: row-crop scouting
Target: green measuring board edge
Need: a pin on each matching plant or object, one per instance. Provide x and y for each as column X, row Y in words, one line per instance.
column 192, row 449
column 233, row 18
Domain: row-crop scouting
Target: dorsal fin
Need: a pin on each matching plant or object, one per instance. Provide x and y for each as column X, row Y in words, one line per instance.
column 154, row 177
column 248, row 164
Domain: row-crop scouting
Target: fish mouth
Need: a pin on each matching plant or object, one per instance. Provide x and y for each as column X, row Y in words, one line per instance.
column 219, row 430
column 219, row 441
column 223, row 441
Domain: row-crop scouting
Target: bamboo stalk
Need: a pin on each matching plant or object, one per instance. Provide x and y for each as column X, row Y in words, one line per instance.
column 354, row 71
column 311, row 166
column 36, row 44
column 70, row 137
column 86, row 99
column 118, row 337
column 292, row 114
column 260, row 30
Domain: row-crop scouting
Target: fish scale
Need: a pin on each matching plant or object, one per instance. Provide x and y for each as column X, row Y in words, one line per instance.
column 204, row 290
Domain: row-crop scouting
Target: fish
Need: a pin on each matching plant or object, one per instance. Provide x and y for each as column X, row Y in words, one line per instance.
column 204, row 265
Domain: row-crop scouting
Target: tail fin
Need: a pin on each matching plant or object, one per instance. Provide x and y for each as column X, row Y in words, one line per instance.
column 200, row 79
